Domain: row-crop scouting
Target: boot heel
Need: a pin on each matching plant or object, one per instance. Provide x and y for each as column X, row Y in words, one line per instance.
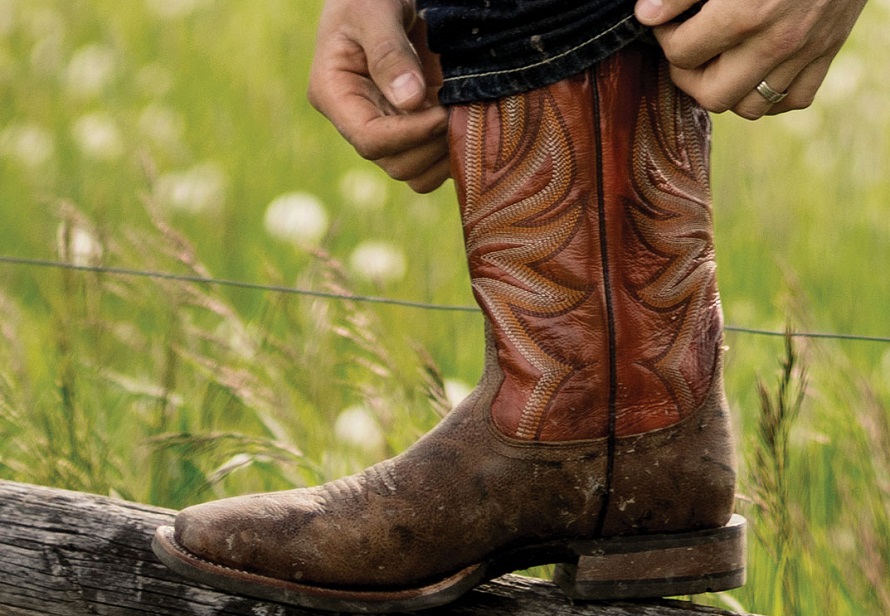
column 657, row 565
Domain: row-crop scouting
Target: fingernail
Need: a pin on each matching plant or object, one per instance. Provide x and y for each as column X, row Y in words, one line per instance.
column 405, row 87
column 648, row 10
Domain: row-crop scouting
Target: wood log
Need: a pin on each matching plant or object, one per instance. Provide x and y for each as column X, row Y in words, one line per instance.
column 71, row 554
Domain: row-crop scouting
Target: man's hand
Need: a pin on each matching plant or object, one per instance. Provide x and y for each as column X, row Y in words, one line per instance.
column 374, row 79
column 721, row 54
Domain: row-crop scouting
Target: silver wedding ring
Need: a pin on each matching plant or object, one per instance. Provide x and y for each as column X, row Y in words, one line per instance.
column 773, row 97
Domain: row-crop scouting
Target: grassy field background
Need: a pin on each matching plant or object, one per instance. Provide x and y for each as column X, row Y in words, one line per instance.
column 174, row 136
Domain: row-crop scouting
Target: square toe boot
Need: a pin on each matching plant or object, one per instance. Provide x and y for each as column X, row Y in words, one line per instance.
column 598, row 437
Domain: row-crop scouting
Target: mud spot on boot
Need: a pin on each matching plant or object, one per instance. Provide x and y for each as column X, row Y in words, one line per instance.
column 404, row 534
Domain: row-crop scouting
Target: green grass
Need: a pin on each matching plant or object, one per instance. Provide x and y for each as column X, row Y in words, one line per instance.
column 174, row 392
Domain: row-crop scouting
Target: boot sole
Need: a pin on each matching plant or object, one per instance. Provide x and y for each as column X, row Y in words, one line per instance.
column 605, row 569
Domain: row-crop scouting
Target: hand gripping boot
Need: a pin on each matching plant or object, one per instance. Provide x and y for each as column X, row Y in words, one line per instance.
column 598, row 437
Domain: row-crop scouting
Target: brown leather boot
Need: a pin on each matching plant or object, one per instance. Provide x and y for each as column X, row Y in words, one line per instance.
column 598, row 437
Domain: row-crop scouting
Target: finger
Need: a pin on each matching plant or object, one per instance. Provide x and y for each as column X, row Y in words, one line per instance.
column 703, row 37
column 658, row 12
column 378, row 137
column 756, row 105
column 799, row 84
column 716, row 86
column 414, row 162
column 392, row 62
column 727, row 80
column 433, row 177
column 802, row 90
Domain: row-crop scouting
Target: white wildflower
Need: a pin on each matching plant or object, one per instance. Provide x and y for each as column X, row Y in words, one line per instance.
column 803, row 126
column 357, row 426
column 843, row 82
column 198, row 190
column 84, row 248
column 98, row 136
column 78, row 246
column 297, row 217
column 364, row 190
column 30, row 144
column 90, row 70
column 161, row 125
column 378, row 261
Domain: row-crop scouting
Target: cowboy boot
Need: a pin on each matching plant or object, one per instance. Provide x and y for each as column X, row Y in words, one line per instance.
column 598, row 437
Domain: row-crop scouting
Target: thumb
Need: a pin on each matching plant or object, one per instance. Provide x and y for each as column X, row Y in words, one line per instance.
column 392, row 62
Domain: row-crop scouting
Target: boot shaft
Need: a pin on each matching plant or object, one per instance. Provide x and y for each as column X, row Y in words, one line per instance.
column 587, row 220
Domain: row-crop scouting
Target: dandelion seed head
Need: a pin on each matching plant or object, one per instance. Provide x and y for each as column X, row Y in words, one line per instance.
column 803, row 126
column 199, row 190
column 357, row 426
column 161, row 125
column 378, row 261
column 90, row 70
column 97, row 136
column 78, row 245
column 296, row 217
column 844, row 80
column 30, row 144
column 363, row 190
column 85, row 249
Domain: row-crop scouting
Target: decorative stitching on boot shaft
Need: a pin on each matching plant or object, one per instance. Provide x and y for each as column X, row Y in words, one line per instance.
column 517, row 235
column 588, row 233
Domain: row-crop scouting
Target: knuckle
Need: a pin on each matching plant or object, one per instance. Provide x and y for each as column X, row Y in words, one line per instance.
column 396, row 168
column 387, row 55
column 748, row 113
column 788, row 39
column 365, row 148
column 746, row 23
column 427, row 184
column 422, row 187
column 401, row 174
column 680, row 58
column 712, row 102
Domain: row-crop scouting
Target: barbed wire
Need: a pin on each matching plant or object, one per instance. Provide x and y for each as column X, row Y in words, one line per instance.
column 255, row 286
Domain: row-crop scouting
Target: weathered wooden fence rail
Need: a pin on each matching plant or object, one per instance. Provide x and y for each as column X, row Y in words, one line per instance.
column 71, row 554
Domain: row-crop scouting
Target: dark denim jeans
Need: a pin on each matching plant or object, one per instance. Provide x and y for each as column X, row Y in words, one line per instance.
column 494, row 48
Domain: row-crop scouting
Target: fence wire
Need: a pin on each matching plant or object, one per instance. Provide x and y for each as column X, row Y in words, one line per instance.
column 255, row 286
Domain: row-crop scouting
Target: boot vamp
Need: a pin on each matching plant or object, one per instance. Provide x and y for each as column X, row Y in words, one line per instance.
column 456, row 496
column 466, row 492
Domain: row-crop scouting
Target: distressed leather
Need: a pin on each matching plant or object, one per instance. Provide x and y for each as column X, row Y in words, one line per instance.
column 601, row 409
